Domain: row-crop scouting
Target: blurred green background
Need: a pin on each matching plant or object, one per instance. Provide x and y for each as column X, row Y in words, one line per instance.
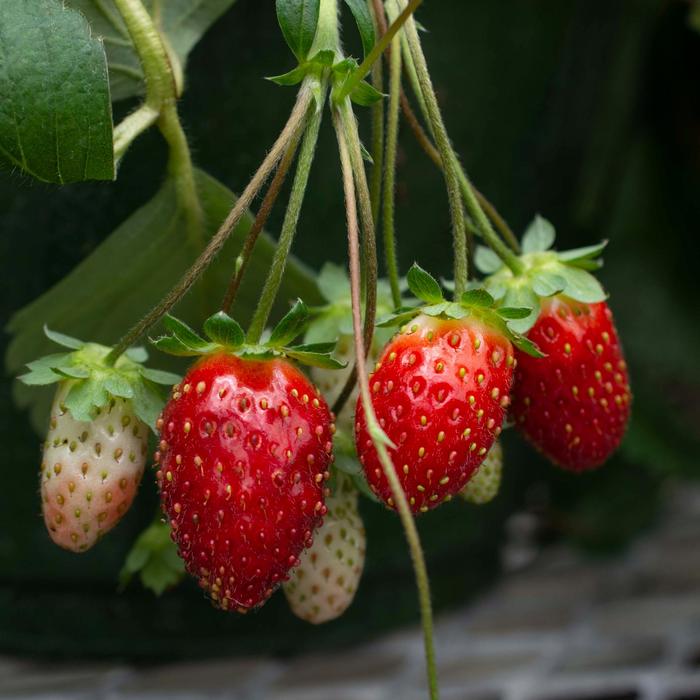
column 587, row 112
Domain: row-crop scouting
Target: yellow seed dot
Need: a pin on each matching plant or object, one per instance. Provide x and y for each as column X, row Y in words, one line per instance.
column 423, row 420
column 444, row 480
column 421, row 451
column 201, row 386
column 567, row 348
column 187, row 426
column 405, row 468
column 441, row 436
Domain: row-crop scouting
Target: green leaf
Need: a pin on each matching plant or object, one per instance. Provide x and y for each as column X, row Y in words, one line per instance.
column 183, row 22
column 365, row 23
column 539, row 236
column 546, row 283
column 41, row 376
column 154, row 558
column 171, row 345
column 435, row 309
column 55, row 109
column 521, row 296
column 581, row 285
column 298, row 20
column 82, row 399
column 423, row 285
column 68, row 370
column 486, row 260
column 334, row 283
column 477, row 297
column 64, row 340
column 166, row 248
column 365, row 95
column 291, row 326
column 454, row 310
column 401, row 316
column 323, row 348
column 293, row 77
column 526, row 345
column 222, row 329
column 158, row 376
column 513, row 314
column 323, row 58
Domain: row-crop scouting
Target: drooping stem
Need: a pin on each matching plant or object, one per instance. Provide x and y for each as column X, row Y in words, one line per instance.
column 346, row 130
column 377, row 50
column 289, row 227
column 377, row 124
column 296, row 121
column 389, row 200
column 449, row 160
column 379, row 438
column 132, row 126
column 259, row 223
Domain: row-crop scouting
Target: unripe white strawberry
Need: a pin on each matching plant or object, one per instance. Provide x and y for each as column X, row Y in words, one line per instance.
column 483, row 486
column 324, row 583
column 90, row 470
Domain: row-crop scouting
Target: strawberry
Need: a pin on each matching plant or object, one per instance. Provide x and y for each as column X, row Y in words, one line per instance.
column 574, row 404
column 95, row 450
column 90, row 471
column 323, row 586
column 439, row 392
column 483, row 486
column 245, row 446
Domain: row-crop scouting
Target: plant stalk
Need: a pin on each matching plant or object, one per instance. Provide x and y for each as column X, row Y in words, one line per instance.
column 259, row 223
column 297, row 121
column 289, row 228
column 379, row 439
column 377, row 124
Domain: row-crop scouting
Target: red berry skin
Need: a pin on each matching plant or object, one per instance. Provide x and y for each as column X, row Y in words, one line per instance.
column 573, row 404
column 440, row 391
column 244, row 453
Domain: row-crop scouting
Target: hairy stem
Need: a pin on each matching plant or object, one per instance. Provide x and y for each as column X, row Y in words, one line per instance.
column 377, row 123
column 346, row 129
column 296, row 121
column 132, row 126
column 289, row 227
column 389, row 201
column 377, row 50
column 379, row 439
column 449, row 160
column 259, row 223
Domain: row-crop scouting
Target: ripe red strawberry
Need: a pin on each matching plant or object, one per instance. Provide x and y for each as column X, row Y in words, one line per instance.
column 439, row 391
column 574, row 404
column 244, row 452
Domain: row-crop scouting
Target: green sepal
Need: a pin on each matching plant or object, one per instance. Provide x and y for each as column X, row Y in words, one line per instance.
column 486, row 260
column 185, row 334
column 587, row 253
column 314, row 359
column 511, row 313
column 293, row 77
column 365, row 95
column 291, row 326
column 154, row 559
column 546, row 283
column 223, row 330
column 435, row 309
column 399, row 317
column 539, row 236
column 64, row 340
column 137, row 354
column 93, row 382
column 423, row 285
column 477, row 297
column 522, row 297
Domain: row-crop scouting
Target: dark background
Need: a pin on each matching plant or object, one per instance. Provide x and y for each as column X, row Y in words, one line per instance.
column 587, row 112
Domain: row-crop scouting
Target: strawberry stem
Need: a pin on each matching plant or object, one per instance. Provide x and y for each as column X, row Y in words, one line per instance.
column 297, row 122
column 289, row 226
column 447, row 156
column 377, row 129
column 392, row 137
column 379, row 438
column 259, row 223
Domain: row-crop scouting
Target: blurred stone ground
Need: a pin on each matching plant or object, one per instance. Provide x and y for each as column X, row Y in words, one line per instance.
column 559, row 626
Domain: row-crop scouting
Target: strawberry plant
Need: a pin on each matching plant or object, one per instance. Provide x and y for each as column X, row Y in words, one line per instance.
column 269, row 427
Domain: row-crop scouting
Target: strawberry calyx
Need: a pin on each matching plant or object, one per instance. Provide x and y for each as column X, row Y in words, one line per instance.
column 95, row 382
column 224, row 334
column 546, row 273
column 476, row 303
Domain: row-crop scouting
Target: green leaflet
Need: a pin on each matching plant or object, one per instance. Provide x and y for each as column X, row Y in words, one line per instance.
column 365, row 23
column 298, row 20
column 184, row 22
column 55, row 110
column 129, row 273
column 539, row 236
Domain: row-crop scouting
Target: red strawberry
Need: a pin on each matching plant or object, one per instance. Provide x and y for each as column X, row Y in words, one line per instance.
column 244, row 452
column 574, row 404
column 440, row 391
